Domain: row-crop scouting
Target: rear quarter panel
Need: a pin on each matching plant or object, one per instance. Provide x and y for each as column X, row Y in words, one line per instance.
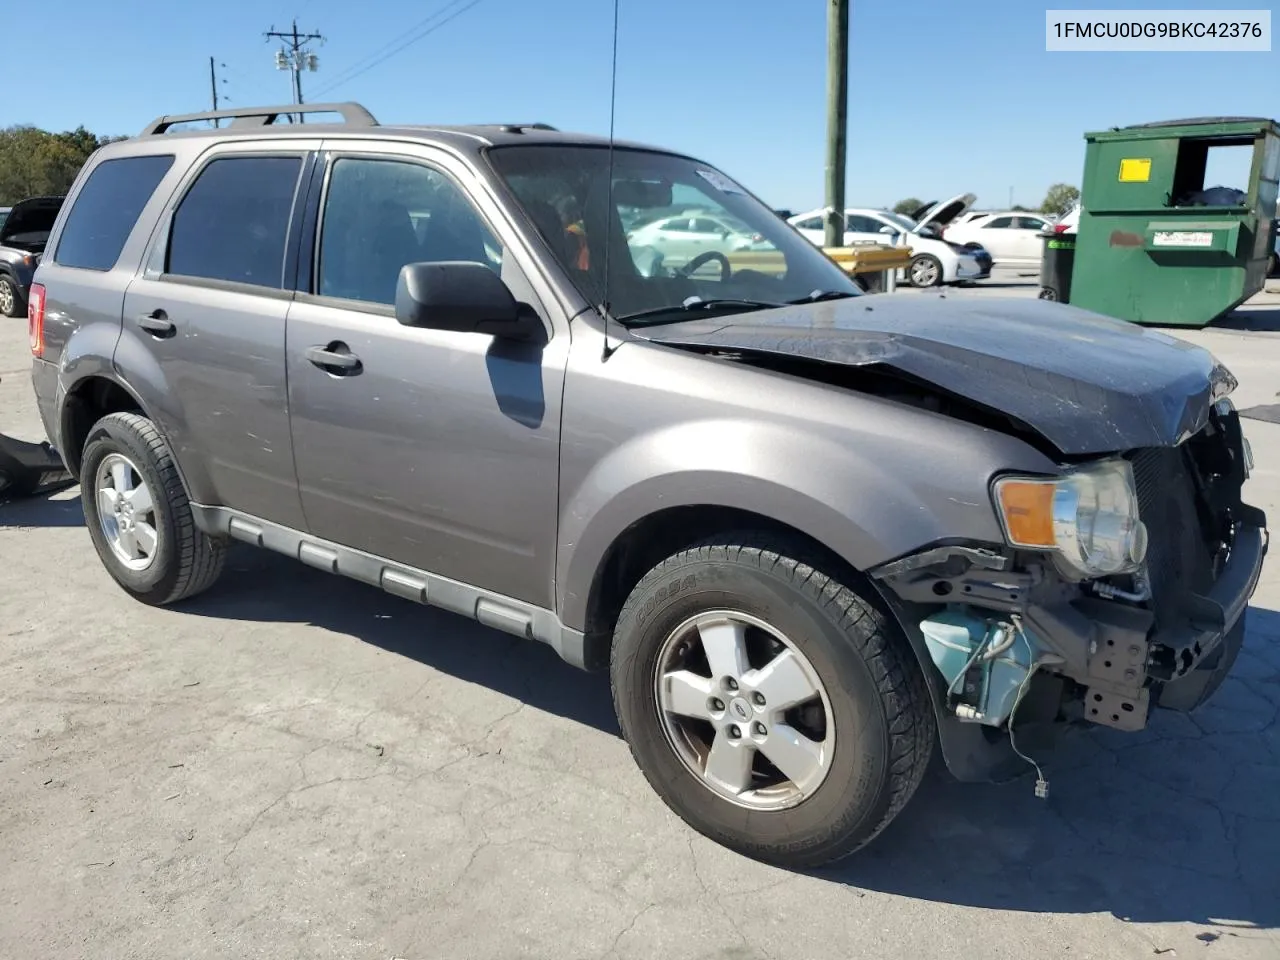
column 83, row 307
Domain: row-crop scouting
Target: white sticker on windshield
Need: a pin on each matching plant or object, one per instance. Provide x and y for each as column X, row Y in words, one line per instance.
column 720, row 182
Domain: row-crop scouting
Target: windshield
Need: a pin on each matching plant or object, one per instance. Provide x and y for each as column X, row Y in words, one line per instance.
column 905, row 222
column 680, row 233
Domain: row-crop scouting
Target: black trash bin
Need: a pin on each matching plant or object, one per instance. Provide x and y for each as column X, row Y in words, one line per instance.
column 1055, row 266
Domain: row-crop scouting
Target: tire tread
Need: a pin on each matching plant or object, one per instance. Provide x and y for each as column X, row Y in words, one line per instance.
column 904, row 693
column 199, row 557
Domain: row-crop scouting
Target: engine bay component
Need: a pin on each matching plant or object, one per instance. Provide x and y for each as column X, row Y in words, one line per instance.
column 986, row 663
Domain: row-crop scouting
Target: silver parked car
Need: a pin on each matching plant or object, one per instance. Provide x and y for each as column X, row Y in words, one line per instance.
column 810, row 533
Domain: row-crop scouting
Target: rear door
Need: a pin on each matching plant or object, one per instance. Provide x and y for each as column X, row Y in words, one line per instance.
column 207, row 319
column 1028, row 229
column 998, row 237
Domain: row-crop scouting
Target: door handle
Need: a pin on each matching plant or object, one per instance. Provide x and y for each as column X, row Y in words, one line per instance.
column 335, row 358
column 158, row 324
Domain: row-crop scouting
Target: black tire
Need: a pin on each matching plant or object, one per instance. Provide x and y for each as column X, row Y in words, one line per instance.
column 186, row 560
column 879, row 702
column 1048, row 293
column 11, row 295
column 926, row 259
column 1272, row 264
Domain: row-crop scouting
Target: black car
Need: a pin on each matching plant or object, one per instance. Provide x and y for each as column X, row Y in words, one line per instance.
column 23, row 234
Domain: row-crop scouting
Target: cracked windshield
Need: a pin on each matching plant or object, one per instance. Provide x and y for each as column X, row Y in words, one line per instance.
column 672, row 237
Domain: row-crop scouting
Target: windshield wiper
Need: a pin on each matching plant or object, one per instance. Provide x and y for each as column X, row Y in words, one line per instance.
column 694, row 304
column 819, row 295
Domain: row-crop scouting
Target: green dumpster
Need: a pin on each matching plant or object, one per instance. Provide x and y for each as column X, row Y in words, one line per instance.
column 1156, row 243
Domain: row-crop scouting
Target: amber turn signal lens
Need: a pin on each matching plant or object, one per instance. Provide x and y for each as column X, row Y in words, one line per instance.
column 1027, row 508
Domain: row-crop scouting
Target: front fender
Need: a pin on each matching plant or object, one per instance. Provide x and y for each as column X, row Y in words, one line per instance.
column 867, row 509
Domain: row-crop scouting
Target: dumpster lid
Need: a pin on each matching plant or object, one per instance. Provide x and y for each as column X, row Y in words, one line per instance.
column 1194, row 121
column 939, row 214
column 1197, row 127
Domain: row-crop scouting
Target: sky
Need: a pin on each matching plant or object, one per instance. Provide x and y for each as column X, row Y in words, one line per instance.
column 945, row 97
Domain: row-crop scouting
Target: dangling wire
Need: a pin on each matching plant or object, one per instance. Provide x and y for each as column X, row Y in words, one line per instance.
column 605, row 306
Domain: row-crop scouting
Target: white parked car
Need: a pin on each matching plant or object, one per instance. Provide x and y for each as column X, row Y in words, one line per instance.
column 934, row 260
column 684, row 236
column 1013, row 238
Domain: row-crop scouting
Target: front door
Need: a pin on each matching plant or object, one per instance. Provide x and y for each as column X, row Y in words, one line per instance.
column 204, row 328
column 435, row 449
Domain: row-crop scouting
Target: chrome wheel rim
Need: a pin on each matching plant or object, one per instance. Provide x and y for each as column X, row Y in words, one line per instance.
column 126, row 511
column 6, row 297
column 744, row 710
column 924, row 273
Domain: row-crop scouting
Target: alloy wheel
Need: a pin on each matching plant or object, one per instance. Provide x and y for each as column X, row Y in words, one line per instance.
column 126, row 511
column 744, row 710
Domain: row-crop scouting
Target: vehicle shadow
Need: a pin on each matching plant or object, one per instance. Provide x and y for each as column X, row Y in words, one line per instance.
column 1177, row 823
column 265, row 587
column 54, row 509
column 1250, row 319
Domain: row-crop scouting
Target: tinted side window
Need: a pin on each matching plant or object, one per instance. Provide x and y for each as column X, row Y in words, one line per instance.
column 106, row 209
column 382, row 214
column 1000, row 223
column 813, row 223
column 861, row 224
column 234, row 221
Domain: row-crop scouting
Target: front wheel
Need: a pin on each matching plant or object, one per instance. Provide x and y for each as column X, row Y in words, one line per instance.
column 924, row 270
column 770, row 705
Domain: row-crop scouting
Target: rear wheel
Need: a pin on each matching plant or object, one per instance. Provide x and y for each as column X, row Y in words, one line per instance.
column 138, row 514
column 770, row 706
column 924, row 270
column 11, row 304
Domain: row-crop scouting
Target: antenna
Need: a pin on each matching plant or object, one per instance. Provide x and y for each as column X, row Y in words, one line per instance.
column 605, row 306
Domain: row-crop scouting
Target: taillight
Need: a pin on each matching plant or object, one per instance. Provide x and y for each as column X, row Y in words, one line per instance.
column 35, row 319
column 1059, row 228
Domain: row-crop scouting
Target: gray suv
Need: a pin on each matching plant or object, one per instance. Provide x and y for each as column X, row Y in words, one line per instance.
column 811, row 533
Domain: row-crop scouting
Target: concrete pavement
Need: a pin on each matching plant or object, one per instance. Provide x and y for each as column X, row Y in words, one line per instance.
column 298, row 766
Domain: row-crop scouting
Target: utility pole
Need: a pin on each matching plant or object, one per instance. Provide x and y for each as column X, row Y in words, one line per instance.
column 837, row 116
column 294, row 56
column 213, row 88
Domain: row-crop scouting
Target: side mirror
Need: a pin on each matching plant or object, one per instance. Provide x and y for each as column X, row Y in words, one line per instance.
column 465, row 297
column 888, row 229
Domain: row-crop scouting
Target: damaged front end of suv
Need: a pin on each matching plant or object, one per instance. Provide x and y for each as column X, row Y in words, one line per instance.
column 1122, row 586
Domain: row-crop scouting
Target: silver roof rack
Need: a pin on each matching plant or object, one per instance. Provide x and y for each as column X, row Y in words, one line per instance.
column 353, row 114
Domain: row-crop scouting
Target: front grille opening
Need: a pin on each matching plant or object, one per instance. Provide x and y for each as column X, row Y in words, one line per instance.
column 1184, row 547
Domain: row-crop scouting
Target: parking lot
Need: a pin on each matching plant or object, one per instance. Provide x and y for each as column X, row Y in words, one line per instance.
column 294, row 765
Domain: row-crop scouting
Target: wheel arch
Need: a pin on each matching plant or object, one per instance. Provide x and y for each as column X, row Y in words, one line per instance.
column 89, row 399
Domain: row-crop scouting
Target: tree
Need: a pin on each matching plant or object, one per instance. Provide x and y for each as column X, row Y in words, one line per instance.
column 1059, row 199
column 37, row 163
column 908, row 206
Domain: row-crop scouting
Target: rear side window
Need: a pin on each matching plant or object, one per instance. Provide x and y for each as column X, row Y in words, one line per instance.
column 106, row 209
column 234, row 221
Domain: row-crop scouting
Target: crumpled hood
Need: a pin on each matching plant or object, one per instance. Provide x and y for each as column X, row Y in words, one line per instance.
column 1088, row 384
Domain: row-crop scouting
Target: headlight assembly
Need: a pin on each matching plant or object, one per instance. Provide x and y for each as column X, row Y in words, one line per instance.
column 1088, row 518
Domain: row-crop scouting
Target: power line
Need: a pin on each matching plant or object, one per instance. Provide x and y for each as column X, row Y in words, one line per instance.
column 367, row 60
column 399, row 46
